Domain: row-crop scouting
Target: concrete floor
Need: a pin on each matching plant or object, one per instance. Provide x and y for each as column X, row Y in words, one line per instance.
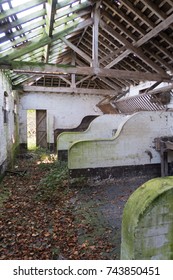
column 99, row 208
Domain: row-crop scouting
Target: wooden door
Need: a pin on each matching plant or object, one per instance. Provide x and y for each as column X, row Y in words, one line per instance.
column 41, row 129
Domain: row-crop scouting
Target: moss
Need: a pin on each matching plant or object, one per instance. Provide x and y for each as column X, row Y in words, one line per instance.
column 19, row 64
column 139, row 202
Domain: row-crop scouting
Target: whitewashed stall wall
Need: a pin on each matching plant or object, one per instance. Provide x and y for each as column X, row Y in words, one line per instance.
column 133, row 143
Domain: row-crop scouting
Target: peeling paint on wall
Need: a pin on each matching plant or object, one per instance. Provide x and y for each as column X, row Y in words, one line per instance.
column 9, row 139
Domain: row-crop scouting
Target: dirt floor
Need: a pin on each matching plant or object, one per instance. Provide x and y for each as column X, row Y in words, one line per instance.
column 41, row 217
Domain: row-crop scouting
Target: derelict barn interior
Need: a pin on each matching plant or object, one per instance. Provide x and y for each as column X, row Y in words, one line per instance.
column 98, row 75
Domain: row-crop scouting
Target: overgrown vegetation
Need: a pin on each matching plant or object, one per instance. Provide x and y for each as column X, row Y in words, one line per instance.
column 42, row 218
column 55, row 183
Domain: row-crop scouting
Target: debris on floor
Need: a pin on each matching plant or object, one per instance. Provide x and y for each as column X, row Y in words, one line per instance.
column 42, row 218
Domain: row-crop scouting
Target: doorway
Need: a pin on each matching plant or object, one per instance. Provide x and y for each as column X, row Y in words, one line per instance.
column 31, row 129
column 36, row 129
column 41, row 128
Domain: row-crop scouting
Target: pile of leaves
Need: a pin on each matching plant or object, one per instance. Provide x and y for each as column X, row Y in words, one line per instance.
column 37, row 218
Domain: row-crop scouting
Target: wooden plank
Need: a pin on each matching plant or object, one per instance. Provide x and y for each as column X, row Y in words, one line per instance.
column 7, row 26
column 69, row 90
column 82, row 80
column 22, row 39
column 130, row 48
column 20, row 8
column 40, row 68
column 95, row 34
column 73, row 76
column 72, row 17
column 112, row 54
column 163, row 25
column 131, row 7
column 76, row 49
column 155, row 9
column 41, row 128
column 64, row 3
column 22, row 31
column 66, row 11
column 41, row 42
column 110, row 83
column 51, row 10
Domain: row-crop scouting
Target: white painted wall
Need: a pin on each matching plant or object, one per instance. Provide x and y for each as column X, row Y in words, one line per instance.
column 8, row 131
column 134, row 90
column 133, row 143
column 102, row 127
column 63, row 110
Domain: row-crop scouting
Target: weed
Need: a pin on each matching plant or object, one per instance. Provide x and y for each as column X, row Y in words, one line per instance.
column 54, row 184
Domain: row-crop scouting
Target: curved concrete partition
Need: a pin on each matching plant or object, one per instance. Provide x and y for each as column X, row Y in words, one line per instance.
column 133, row 145
column 104, row 126
column 82, row 126
column 147, row 225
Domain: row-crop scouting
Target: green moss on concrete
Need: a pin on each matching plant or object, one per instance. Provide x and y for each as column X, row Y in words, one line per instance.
column 135, row 207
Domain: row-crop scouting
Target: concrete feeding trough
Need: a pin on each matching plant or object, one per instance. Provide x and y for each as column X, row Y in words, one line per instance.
column 104, row 126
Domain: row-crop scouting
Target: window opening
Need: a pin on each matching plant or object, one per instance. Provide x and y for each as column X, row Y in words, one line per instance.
column 15, row 111
column 5, row 107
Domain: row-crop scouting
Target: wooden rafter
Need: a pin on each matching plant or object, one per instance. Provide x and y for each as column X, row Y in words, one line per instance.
column 20, row 8
column 41, row 42
column 41, row 68
column 95, row 35
column 130, row 48
column 70, row 90
column 23, row 20
column 51, row 10
column 134, row 38
column 76, row 49
column 144, row 39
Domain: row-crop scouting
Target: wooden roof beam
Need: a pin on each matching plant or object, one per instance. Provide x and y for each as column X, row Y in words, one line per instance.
column 65, row 20
column 51, row 10
column 103, row 92
column 95, row 34
column 20, row 8
column 41, row 42
column 155, row 9
column 61, row 13
column 22, row 31
column 64, row 3
column 76, row 49
column 24, row 19
column 146, row 20
column 20, row 40
column 163, row 25
column 41, row 68
column 131, row 48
